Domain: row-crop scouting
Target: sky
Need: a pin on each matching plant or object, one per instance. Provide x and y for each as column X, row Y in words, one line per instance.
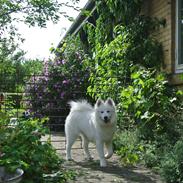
column 38, row 41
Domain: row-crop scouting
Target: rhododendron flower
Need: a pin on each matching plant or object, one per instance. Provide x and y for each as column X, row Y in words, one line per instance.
column 65, row 81
column 63, row 61
column 62, row 94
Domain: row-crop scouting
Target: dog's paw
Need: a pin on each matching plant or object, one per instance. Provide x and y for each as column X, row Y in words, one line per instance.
column 69, row 159
column 103, row 163
column 107, row 156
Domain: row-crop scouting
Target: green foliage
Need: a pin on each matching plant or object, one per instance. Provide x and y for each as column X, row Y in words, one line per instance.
column 130, row 10
column 107, row 64
column 171, row 165
column 152, row 154
column 10, row 66
column 31, row 67
column 15, row 71
column 32, row 12
column 170, row 170
column 21, row 147
column 142, row 48
column 110, row 15
column 154, row 106
column 112, row 62
column 128, row 148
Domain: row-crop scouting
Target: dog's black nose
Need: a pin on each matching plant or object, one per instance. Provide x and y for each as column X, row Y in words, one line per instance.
column 105, row 119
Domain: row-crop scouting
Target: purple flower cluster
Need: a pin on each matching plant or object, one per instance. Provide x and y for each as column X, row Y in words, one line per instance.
column 62, row 80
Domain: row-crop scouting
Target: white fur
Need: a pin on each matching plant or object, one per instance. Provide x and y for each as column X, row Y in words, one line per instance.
column 95, row 124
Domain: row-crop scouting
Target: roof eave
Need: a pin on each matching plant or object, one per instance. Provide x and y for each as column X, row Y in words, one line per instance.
column 80, row 20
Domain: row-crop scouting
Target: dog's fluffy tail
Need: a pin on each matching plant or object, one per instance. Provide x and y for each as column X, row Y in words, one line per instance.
column 82, row 105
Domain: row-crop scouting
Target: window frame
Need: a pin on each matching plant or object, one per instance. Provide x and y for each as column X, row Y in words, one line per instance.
column 179, row 47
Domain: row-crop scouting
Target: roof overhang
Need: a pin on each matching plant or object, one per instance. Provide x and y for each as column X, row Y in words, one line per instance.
column 80, row 20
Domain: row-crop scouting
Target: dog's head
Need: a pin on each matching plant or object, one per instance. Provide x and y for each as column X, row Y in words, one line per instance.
column 105, row 111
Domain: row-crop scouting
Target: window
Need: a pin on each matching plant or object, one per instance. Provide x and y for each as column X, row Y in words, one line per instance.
column 179, row 36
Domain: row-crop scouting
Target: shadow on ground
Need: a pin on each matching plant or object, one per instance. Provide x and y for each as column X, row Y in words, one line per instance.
column 127, row 174
column 91, row 172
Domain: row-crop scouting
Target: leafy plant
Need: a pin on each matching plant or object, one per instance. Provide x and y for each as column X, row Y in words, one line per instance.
column 151, row 157
column 153, row 104
column 15, row 70
column 111, row 63
column 171, row 164
column 33, row 12
column 128, row 148
column 21, row 147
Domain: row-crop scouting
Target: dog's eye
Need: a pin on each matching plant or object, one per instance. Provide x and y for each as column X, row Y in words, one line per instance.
column 102, row 111
column 108, row 111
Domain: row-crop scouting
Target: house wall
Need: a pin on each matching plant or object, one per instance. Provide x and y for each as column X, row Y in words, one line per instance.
column 161, row 9
column 165, row 9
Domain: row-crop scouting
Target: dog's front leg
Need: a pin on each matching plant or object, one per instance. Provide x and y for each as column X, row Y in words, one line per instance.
column 100, row 150
column 109, row 149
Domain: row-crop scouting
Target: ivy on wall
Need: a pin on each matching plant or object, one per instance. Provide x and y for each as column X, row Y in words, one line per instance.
column 121, row 38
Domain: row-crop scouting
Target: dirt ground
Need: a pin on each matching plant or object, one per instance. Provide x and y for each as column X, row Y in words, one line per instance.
column 91, row 172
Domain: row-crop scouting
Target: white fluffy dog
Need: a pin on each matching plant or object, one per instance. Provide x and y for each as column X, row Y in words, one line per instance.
column 95, row 124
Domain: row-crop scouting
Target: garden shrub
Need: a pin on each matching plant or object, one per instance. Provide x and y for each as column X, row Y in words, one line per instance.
column 171, row 164
column 149, row 156
column 154, row 105
column 110, row 15
column 63, row 79
column 154, row 152
column 128, row 147
column 22, row 147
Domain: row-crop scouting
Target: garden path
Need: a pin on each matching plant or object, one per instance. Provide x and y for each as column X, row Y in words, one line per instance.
column 115, row 172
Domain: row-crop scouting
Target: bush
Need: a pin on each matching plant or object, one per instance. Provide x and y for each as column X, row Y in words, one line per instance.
column 127, row 147
column 150, row 156
column 155, row 107
column 63, row 79
column 132, row 150
column 21, row 147
column 172, row 166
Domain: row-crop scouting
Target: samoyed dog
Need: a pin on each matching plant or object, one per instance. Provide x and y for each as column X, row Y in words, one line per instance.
column 95, row 124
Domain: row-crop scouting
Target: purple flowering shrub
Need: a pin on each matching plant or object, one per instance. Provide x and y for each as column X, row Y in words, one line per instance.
column 62, row 80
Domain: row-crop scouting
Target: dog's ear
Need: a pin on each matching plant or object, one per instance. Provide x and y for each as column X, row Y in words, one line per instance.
column 110, row 102
column 99, row 102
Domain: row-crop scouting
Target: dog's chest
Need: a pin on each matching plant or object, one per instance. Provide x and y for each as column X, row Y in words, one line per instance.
column 106, row 134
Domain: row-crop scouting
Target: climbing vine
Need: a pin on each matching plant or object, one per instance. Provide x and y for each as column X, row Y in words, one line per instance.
column 118, row 44
column 111, row 13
